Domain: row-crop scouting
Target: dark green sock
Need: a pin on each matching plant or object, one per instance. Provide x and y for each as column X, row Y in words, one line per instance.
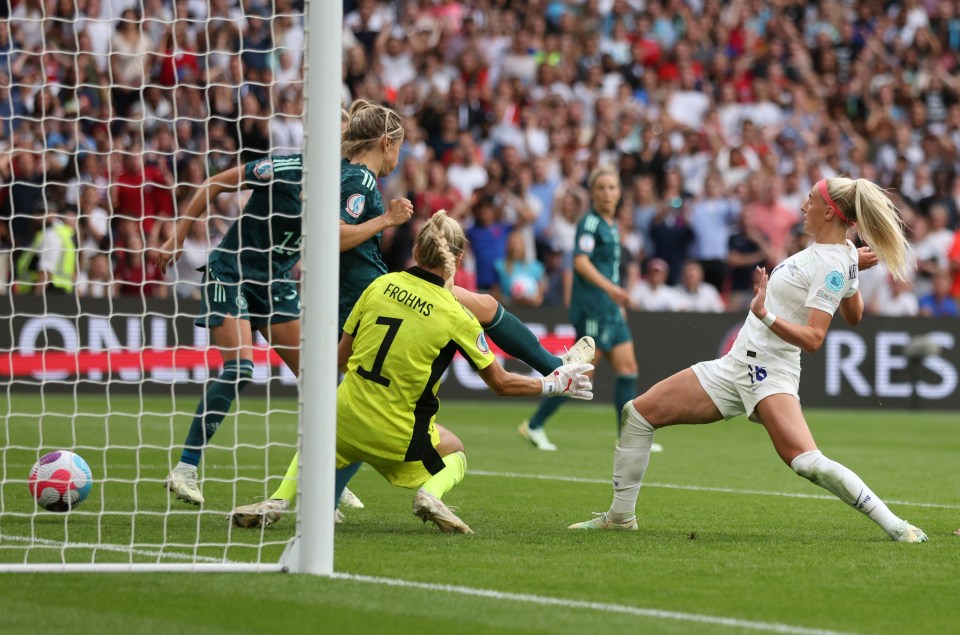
column 214, row 406
column 545, row 411
column 624, row 390
column 515, row 339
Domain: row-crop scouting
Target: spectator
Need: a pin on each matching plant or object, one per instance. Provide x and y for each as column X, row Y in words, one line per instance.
column 131, row 61
column 141, row 192
column 654, row 294
column 49, row 265
column 895, row 299
column 712, row 219
column 23, row 207
column 440, row 194
column 136, row 275
column 671, row 235
column 466, row 173
column 488, row 240
column 772, row 219
column 521, row 279
column 939, row 303
column 698, row 296
column 93, row 224
column 96, row 280
column 749, row 249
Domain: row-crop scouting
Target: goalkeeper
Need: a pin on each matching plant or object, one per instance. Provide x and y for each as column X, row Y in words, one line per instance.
column 399, row 339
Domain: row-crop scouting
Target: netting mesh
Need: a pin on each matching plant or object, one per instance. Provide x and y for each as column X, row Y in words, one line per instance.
column 113, row 115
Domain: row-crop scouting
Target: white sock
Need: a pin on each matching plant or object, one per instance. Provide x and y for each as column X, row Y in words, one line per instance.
column 630, row 462
column 845, row 485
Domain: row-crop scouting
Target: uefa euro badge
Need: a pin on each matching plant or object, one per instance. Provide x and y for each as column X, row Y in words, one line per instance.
column 835, row 281
column 355, row 205
column 263, row 170
column 482, row 345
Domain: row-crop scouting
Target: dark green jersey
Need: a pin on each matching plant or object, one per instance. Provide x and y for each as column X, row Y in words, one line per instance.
column 263, row 244
column 360, row 201
column 600, row 241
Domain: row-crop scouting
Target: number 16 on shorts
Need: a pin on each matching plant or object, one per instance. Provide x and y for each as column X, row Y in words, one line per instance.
column 756, row 373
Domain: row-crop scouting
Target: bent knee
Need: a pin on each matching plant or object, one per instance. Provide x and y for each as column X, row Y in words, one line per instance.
column 806, row 465
column 652, row 410
column 483, row 306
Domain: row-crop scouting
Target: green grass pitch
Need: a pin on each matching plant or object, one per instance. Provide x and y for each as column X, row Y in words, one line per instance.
column 730, row 540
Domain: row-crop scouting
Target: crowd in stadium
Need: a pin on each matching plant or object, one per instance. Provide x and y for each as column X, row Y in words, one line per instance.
column 720, row 116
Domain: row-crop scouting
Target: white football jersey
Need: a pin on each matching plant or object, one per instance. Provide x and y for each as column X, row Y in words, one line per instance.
column 816, row 278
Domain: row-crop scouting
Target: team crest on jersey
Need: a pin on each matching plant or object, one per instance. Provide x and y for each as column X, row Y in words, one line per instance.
column 587, row 243
column 263, row 170
column 355, row 205
column 834, row 281
column 482, row 345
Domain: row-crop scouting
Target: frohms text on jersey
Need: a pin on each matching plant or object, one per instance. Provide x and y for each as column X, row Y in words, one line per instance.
column 405, row 297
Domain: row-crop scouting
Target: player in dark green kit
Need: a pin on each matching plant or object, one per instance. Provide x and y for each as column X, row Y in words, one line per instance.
column 597, row 301
column 247, row 286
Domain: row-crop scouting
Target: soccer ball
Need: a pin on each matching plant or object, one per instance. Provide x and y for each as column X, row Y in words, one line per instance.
column 60, row 481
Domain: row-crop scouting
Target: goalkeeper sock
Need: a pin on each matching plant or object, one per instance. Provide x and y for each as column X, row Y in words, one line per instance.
column 214, row 406
column 845, row 485
column 625, row 389
column 630, row 463
column 288, row 487
column 545, row 410
column 515, row 339
column 455, row 466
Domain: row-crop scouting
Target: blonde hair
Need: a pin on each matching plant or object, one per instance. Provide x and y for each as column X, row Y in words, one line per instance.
column 878, row 219
column 367, row 124
column 439, row 242
column 603, row 170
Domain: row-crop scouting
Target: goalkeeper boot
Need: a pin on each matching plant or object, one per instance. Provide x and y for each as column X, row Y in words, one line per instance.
column 905, row 532
column 536, row 436
column 349, row 500
column 426, row 507
column 259, row 514
column 602, row 521
column 183, row 482
column 583, row 352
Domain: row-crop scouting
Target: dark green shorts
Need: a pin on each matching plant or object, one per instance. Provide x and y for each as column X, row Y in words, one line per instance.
column 260, row 303
column 608, row 329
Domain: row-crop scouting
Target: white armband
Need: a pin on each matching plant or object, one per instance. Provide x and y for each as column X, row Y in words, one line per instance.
column 769, row 319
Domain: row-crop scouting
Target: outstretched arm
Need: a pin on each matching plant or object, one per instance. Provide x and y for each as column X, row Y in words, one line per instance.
column 567, row 381
column 229, row 181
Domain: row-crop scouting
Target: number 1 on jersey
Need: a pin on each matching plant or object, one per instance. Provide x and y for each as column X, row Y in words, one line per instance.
column 375, row 374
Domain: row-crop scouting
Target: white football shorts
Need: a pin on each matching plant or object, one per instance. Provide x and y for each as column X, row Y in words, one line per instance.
column 736, row 388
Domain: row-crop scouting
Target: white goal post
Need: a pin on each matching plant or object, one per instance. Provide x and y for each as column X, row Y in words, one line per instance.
column 113, row 375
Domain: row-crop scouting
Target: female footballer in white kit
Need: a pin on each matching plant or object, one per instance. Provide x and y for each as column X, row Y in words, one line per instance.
column 760, row 376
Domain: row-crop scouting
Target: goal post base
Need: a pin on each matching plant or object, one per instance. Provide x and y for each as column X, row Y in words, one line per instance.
column 90, row 567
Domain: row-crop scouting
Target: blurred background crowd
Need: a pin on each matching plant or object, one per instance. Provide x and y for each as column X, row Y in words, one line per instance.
column 720, row 116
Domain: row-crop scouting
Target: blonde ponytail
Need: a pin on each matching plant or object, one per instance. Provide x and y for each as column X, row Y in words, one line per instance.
column 878, row 220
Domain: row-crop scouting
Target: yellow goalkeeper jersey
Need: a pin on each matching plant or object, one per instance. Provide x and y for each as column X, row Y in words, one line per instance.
column 406, row 330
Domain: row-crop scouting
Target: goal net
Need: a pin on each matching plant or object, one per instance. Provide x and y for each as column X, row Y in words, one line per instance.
column 113, row 113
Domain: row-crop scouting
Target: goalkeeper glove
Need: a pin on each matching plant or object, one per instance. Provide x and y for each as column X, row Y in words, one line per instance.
column 569, row 381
